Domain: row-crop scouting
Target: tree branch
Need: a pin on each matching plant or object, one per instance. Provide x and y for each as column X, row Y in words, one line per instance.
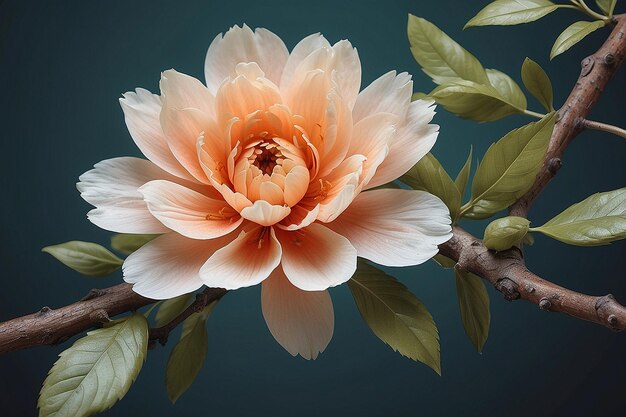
column 597, row 70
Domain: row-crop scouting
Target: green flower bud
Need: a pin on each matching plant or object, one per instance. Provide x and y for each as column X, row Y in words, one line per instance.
column 504, row 233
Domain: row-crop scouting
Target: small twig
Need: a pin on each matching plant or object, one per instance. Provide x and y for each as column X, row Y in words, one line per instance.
column 203, row 299
column 590, row 124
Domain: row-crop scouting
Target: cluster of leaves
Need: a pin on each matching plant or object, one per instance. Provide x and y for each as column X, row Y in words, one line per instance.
column 509, row 167
column 99, row 368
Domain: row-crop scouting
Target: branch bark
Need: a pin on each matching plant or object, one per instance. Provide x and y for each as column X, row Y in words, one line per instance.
column 596, row 71
column 505, row 270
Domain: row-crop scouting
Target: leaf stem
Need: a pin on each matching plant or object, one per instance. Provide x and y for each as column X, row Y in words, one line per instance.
column 590, row 124
column 582, row 6
column 534, row 114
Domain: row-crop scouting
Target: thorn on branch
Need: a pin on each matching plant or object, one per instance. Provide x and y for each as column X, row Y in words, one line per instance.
column 508, row 288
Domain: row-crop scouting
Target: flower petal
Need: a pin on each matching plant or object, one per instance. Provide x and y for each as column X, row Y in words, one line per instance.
column 414, row 139
column 141, row 113
column 303, row 49
column 301, row 321
column 264, row 213
column 315, row 258
column 395, row 227
column 112, row 186
column 246, row 261
column 243, row 45
column 188, row 212
column 389, row 93
column 169, row 265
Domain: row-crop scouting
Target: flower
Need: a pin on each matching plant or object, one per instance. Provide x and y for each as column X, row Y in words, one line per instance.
column 261, row 176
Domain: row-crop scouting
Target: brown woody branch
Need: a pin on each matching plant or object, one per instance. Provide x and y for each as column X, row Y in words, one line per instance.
column 597, row 70
column 505, row 270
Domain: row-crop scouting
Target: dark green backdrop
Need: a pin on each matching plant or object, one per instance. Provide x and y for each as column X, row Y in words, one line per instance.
column 65, row 64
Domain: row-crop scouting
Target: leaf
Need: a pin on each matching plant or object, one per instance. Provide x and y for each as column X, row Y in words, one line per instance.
column 574, row 34
column 429, row 175
column 187, row 357
column 537, row 82
column 508, row 89
column 473, row 101
column 502, row 234
column 171, row 308
column 474, row 307
column 96, row 371
column 463, row 175
column 440, row 57
column 444, row 261
column 85, row 257
column 509, row 168
column 598, row 220
column 128, row 243
column 419, row 96
column 512, row 12
column 607, row 6
column 395, row 315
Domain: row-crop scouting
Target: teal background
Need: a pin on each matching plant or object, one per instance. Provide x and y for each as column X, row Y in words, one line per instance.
column 63, row 66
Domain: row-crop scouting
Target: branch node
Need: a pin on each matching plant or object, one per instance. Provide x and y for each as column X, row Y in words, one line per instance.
column 545, row 304
column 508, row 288
column 554, row 164
column 93, row 293
column 43, row 311
column 99, row 316
column 609, row 59
column 530, row 289
column 612, row 319
column 586, row 66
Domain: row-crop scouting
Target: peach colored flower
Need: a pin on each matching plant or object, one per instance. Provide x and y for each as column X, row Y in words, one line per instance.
column 261, row 176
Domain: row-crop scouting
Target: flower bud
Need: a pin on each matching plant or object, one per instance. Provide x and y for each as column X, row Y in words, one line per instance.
column 504, row 233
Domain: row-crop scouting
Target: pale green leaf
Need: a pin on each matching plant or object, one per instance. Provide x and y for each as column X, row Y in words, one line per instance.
column 429, row 175
column 607, row 6
column 474, row 307
column 128, row 243
column 395, row 315
column 507, row 88
column 171, row 308
column 473, row 101
column 512, row 12
column 574, row 34
column 440, row 57
column 96, row 371
column 502, row 234
column 85, row 257
column 463, row 175
column 444, row 261
column 187, row 357
column 537, row 82
column 598, row 220
column 509, row 168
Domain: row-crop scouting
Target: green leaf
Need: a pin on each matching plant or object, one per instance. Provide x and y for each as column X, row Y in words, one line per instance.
column 509, row 168
column 537, row 82
column 429, row 175
column 474, row 307
column 171, row 308
column 473, row 101
column 512, row 12
column 96, row 371
column 574, row 34
column 395, row 315
column 444, row 261
column 187, row 357
column 440, row 57
column 85, row 257
column 463, row 175
column 502, row 234
column 128, row 243
column 508, row 89
column 598, row 220
column 607, row 6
